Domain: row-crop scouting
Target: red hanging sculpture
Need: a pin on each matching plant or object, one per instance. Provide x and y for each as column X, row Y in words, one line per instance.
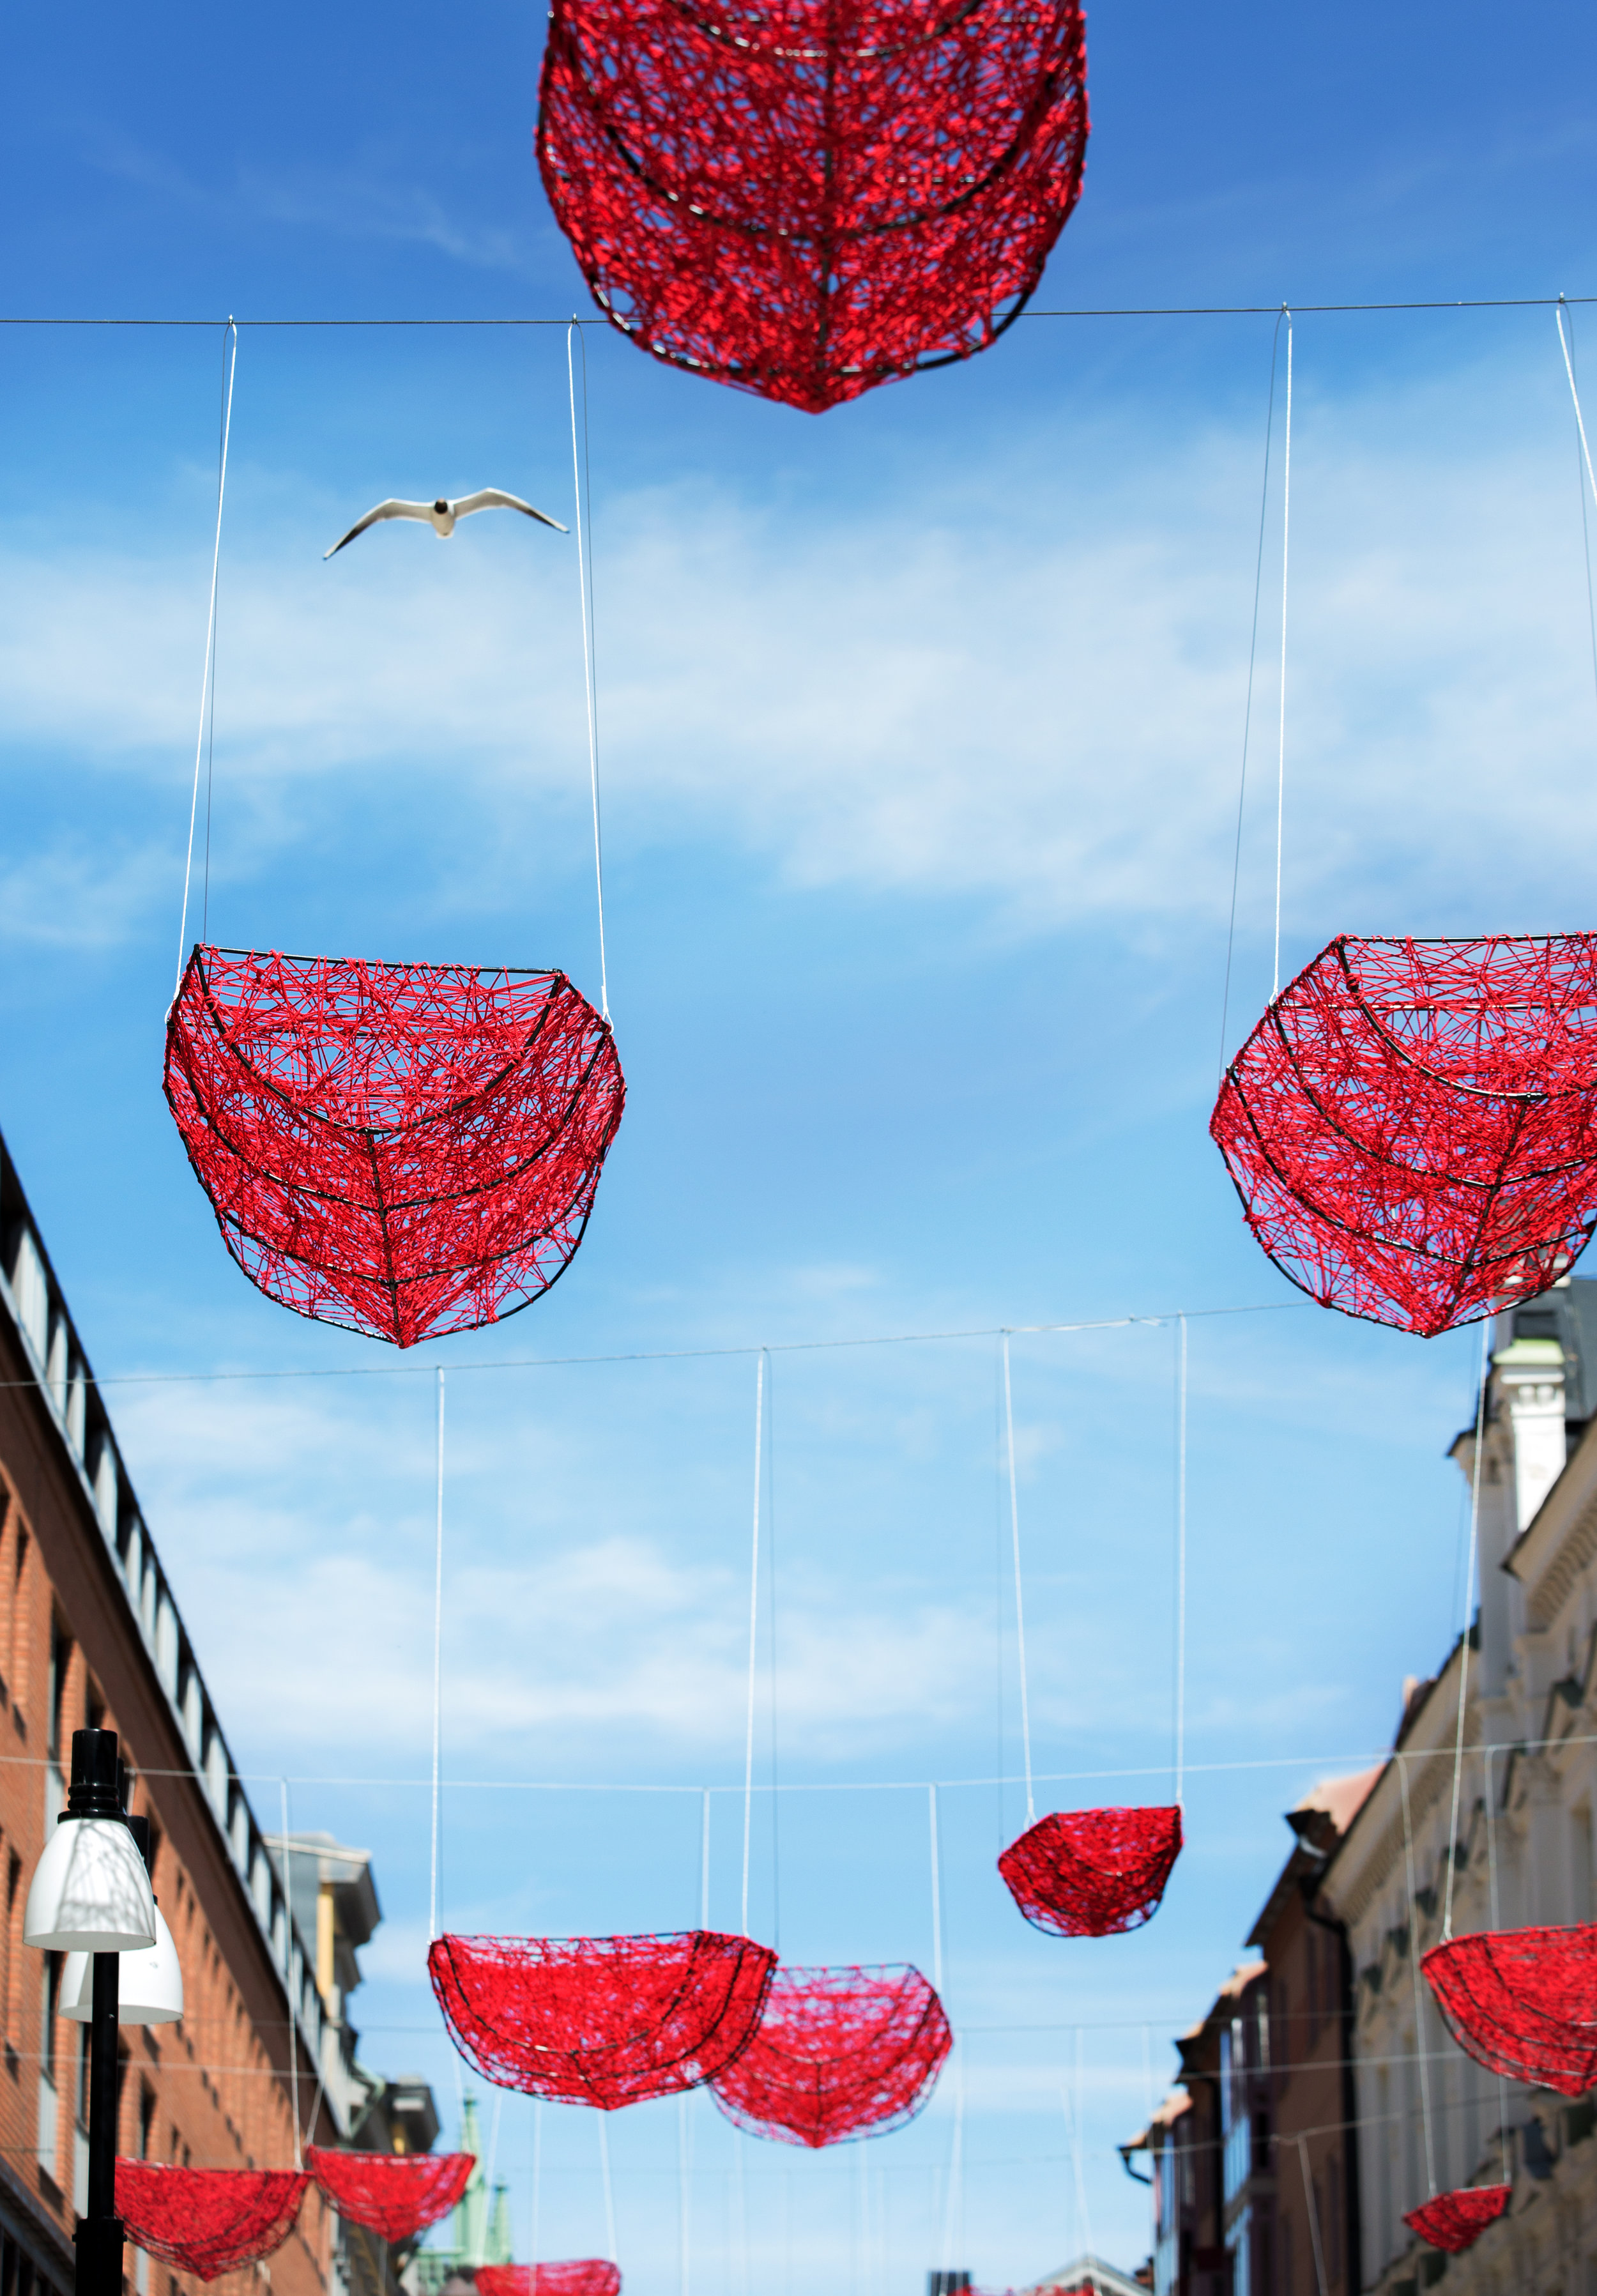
column 809, row 197
column 1092, row 1872
column 837, row 2053
column 396, row 2194
column 207, row 2221
column 586, row 2275
column 1523, row 2002
column 1455, row 2220
column 1413, row 1126
column 601, row 2021
column 399, row 1149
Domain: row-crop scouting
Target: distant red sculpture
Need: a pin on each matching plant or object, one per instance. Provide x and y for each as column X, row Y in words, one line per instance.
column 396, row 2194
column 1455, row 2220
column 1413, row 1126
column 809, row 197
column 400, row 1148
column 605, row 2021
column 587, row 2275
column 837, row 2053
column 1523, row 2002
column 207, row 2221
column 1092, row 1872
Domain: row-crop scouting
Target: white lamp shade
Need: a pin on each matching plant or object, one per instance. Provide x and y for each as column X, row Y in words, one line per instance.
column 149, row 1983
column 90, row 1892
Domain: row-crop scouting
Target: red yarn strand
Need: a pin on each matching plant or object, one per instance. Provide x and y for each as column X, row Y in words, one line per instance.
column 807, row 200
column 207, row 2221
column 1455, row 2221
column 1092, row 1872
column 399, row 1148
column 605, row 2022
column 1523, row 2002
column 396, row 2194
column 838, row 2052
column 1413, row 1126
column 586, row 2275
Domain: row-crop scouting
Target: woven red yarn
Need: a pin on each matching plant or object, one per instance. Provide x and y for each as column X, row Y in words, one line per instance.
column 601, row 2021
column 1413, row 1126
column 809, row 197
column 1523, row 2002
column 1092, row 1872
column 395, row 2194
column 837, row 2053
column 207, row 2221
column 585, row 2275
column 399, row 1148
column 1455, row 2220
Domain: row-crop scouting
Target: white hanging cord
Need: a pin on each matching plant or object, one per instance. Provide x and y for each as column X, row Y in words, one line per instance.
column 1579, row 419
column 1421, row 2051
column 704, row 1864
column 740, row 2195
column 211, row 645
column 1463, row 1639
column 1280, row 770
column 1014, row 1527
column 584, row 585
column 1072, row 2104
column 683, row 2171
column 760, row 1421
column 1586, row 531
column 936, row 1893
column 437, row 1666
column 494, row 2150
column 1181, row 1558
column 295, row 2007
column 1313, row 2216
column 609, row 2197
column 537, row 2188
column 1496, row 1924
column 954, row 2199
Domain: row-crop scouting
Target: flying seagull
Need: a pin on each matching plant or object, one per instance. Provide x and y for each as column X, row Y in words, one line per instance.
column 441, row 515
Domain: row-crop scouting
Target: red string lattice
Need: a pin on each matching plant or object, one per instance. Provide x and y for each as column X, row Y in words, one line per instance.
column 810, row 197
column 1413, row 1126
column 396, row 2194
column 585, row 2275
column 1523, row 2002
column 837, row 2053
column 399, row 1149
column 207, row 2221
column 1092, row 1872
column 601, row 2021
column 1455, row 2220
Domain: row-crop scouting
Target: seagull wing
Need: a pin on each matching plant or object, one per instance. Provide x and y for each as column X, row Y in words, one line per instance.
column 494, row 498
column 383, row 510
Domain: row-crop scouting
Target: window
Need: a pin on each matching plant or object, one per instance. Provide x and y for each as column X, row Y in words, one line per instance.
column 16, row 1627
column 1330, row 2231
column 55, row 1691
column 49, row 1996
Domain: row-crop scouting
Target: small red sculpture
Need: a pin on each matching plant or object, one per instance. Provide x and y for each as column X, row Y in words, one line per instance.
column 601, row 2021
column 207, row 2221
column 1092, row 1872
column 399, row 1149
column 585, row 2275
column 809, row 197
column 1413, row 1126
column 837, row 2053
column 396, row 2194
column 1523, row 2002
column 1455, row 2220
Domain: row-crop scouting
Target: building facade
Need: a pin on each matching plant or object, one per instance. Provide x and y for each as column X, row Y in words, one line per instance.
column 91, row 1636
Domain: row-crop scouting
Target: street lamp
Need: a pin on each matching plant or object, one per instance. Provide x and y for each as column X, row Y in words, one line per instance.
column 149, row 1984
column 91, row 1894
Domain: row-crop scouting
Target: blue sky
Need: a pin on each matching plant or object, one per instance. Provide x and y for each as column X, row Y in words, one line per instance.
column 921, row 727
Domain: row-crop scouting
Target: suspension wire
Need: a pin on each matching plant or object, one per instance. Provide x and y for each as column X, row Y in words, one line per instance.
column 1567, row 346
column 1313, row 2216
column 206, row 696
column 1280, row 772
column 1414, row 1955
column 1463, row 1640
column 585, row 586
column 1014, row 1527
column 1496, row 1924
column 1181, row 1556
column 1259, row 578
column 537, row 2185
column 609, row 2197
column 683, row 2172
column 704, row 1864
column 288, row 1980
column 759, row 1407
column 438, row 1667
column 936, row 1893
column 211, row 715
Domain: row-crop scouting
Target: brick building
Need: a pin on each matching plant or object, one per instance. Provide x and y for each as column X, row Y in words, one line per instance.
column 91, row 1635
